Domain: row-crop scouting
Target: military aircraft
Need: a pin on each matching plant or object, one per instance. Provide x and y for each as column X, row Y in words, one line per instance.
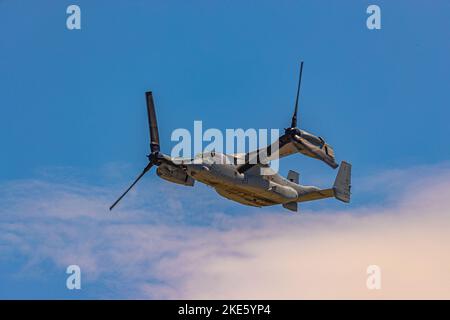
column 239, row 177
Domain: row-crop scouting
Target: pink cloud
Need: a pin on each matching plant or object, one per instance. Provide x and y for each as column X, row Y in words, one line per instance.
column 267, row 254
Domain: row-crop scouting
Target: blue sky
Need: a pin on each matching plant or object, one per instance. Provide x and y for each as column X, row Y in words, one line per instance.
column 73, row 110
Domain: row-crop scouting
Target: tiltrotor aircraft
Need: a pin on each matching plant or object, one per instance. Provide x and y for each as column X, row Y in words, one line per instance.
column 239, row 177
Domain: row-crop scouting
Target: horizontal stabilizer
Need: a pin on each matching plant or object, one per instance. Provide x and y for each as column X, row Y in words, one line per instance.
column 340, row 189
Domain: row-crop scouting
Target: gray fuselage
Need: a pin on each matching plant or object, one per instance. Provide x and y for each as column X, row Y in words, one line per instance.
column 260, row 186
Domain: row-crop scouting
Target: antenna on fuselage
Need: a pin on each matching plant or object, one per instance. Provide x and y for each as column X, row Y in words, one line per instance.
column 294, row 116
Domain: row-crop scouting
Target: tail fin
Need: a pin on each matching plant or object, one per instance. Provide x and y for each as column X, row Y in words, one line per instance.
column 293, row 206
column 293, row 176
column 342, row 184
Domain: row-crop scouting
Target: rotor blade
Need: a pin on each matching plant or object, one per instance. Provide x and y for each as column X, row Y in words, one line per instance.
column 152, row 124
column 132, row 185
column 294, row 117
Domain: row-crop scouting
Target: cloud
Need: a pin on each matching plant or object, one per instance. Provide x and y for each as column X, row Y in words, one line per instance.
column 190, row 244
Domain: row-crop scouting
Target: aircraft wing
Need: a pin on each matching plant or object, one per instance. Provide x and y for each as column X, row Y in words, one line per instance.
column 287, row 145
column 284, row 146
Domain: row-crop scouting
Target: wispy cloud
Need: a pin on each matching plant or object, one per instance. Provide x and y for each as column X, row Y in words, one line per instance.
column 188, row 244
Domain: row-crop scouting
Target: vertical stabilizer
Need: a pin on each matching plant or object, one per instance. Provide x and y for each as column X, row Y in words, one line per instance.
column 342, row 184
column 293, row 176
column 293, row 206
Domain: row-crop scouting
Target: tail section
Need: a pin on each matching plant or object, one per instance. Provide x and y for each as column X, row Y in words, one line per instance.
column 340, row 189
column 342, row 184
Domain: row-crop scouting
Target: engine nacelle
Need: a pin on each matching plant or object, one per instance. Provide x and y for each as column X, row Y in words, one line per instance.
column 174, row 174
